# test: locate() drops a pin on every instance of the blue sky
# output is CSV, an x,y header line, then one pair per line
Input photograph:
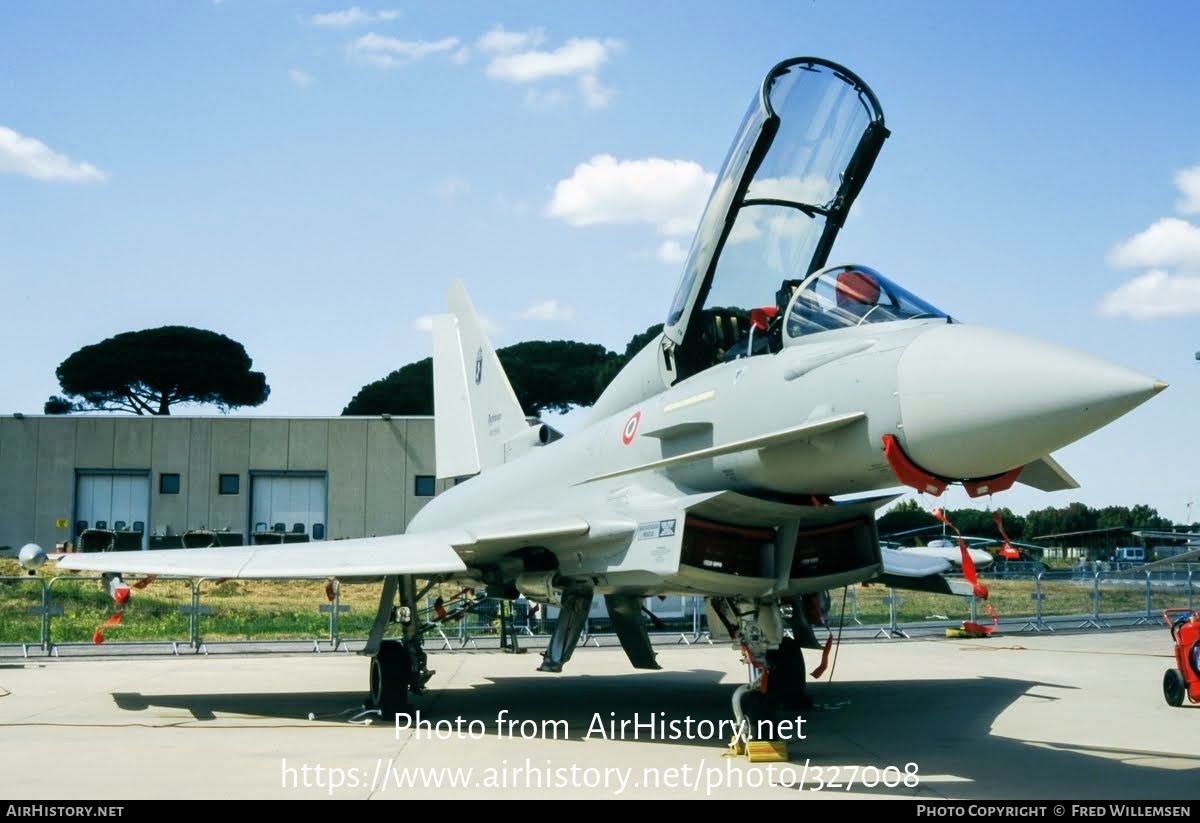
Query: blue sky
x,y
307,178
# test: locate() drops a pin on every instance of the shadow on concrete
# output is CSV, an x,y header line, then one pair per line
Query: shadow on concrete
x,y
941,726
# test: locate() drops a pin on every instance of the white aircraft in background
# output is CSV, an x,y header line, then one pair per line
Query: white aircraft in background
x,y
942,548
975,548
949,550
741,455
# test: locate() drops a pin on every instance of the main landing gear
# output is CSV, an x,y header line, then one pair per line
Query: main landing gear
x,y
398,667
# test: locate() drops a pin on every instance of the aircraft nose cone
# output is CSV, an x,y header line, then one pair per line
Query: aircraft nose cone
x,y
976,402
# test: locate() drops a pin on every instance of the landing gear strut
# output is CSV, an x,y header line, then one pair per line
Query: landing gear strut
x,y
786,677
398,667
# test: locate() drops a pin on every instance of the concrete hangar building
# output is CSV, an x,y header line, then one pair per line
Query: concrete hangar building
x,y
143,482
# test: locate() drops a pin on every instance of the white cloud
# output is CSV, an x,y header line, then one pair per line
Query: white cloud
x,y
353,16
595,96
1170,248
1169,242
501,41
669,194
1188,182
1154,294
461,56
576,56
33,158
300,77
671,251
548,310
389,52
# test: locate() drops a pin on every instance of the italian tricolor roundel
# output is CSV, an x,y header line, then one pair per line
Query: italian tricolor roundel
x,y
631,428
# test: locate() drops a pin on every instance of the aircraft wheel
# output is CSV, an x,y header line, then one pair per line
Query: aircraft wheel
x,y
755,708
390,670
786,681
1174,687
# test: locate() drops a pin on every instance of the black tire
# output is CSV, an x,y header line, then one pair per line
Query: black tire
x,y
786,679
390,676
755,709
1174,688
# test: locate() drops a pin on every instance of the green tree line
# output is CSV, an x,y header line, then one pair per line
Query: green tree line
x,y
553,375
1075,519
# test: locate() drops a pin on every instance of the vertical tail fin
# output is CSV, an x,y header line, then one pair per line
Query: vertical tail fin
x,y
474,407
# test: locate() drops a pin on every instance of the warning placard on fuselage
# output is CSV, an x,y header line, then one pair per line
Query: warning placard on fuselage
x,y
654,529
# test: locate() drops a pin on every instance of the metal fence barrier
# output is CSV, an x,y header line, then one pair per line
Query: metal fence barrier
x,y
61,614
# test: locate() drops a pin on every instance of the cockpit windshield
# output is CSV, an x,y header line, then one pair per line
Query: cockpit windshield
x,y
795,167
845,296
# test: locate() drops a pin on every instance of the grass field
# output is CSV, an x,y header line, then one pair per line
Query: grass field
x,y
292,610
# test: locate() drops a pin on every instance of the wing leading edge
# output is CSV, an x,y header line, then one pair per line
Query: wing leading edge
x,y
361,557
413,553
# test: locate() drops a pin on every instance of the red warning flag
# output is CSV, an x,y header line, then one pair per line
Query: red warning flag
x,y
820,670
978,628
1000,525
971,577
118,589
1006,551
968,565
98,635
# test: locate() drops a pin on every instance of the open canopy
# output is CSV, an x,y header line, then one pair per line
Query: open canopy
x,y
803,152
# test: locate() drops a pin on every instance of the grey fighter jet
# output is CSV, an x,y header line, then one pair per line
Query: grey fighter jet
x,y
740,456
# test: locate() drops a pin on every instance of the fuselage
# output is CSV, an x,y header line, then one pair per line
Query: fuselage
x,y
927,382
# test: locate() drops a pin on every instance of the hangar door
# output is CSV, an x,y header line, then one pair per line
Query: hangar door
x,y
288,504
120,502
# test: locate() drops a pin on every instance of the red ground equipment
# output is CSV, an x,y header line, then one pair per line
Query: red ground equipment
x,y
1184,679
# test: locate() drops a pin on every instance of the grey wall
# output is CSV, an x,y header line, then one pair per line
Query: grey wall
x,y
347,479
18,481
55,471
170,454
229,454
370,463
